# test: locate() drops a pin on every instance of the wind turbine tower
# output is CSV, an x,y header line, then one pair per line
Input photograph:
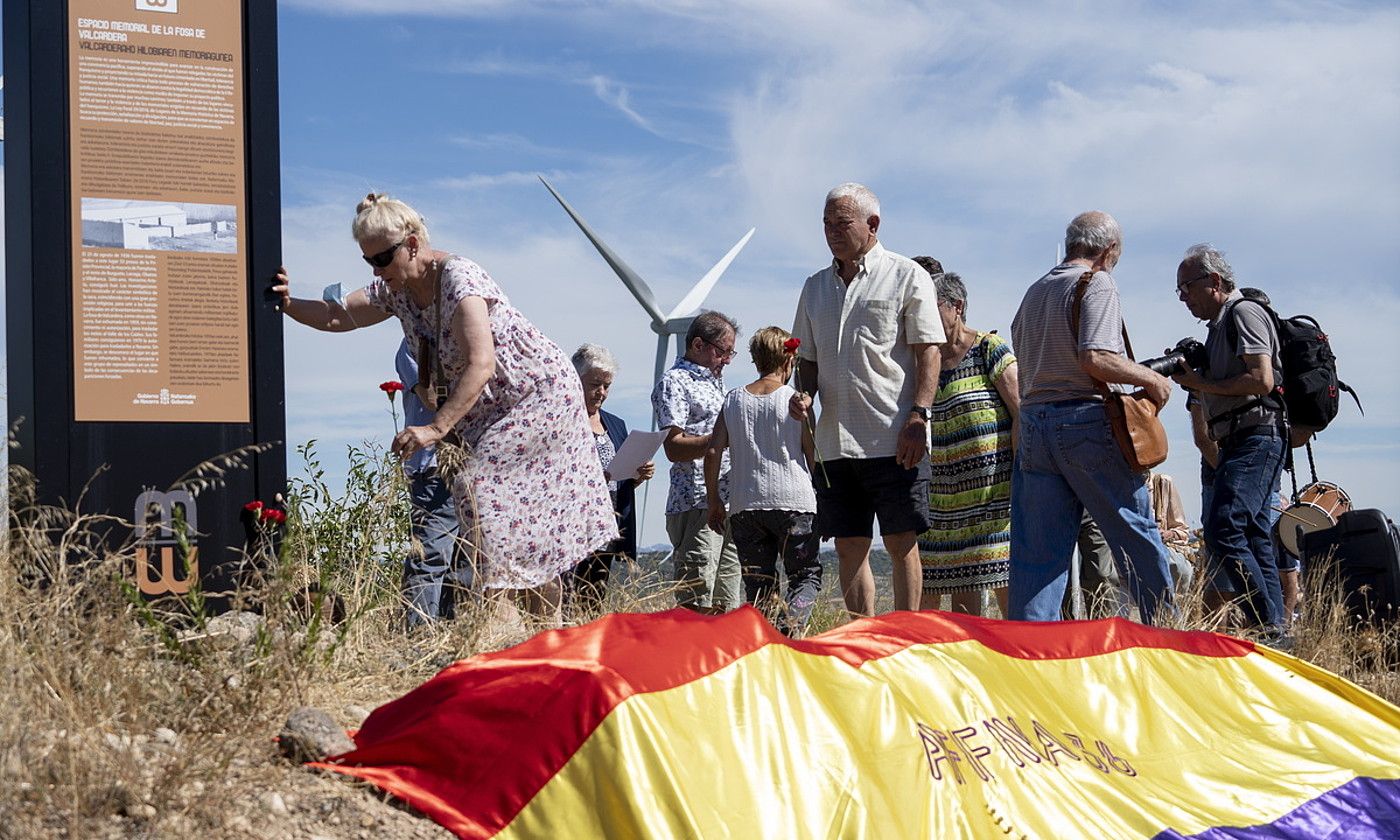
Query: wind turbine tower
x,y
665,325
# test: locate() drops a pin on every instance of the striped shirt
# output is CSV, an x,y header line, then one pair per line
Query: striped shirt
x,y
1047,352
860,336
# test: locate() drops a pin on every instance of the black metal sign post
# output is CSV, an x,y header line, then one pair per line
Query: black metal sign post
x,y
142,220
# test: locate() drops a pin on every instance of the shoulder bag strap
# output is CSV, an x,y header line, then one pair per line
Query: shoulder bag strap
x,y
1079,291
440,382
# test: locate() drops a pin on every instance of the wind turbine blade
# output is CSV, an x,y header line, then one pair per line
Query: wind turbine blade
x,y
640,290
696,295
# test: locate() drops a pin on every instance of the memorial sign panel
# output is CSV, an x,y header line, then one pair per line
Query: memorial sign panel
x,y
157,171
142,224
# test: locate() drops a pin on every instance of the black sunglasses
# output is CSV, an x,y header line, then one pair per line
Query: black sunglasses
x,y
1182,287
383,258
723,354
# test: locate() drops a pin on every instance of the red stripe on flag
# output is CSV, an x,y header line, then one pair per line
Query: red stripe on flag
x,y
474,744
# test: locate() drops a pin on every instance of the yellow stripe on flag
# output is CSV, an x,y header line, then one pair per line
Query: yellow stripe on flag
x,y
957,740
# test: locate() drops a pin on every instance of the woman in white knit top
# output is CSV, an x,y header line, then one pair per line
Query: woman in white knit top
x,y
771,500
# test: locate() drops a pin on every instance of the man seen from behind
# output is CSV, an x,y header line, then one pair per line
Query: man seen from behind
x,y
1067,460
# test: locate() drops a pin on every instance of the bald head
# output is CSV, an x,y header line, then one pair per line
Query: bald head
x,y
1091,234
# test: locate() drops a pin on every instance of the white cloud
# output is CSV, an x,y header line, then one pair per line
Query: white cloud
x,y
490,181
614,94
497,64
1268,130
510,143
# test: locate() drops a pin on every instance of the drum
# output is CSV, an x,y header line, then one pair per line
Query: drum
x,y
1318,507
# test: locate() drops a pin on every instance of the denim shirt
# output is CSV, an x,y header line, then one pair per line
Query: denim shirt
x,y
414,412
690,398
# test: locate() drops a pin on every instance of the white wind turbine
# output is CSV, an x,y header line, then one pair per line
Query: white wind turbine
x,y
677,321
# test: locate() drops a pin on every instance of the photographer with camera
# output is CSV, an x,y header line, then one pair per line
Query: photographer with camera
x,y
1234,375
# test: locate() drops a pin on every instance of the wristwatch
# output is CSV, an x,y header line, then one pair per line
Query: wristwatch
x,y
923,411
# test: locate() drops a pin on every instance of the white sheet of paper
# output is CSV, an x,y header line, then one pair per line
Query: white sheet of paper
x,y
637,449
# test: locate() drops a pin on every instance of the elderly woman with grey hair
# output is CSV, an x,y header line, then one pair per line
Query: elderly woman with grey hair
x,y
531,498
596,370
967,548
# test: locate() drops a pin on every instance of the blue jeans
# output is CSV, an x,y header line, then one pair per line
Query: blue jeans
x,y
1066,463
1238,524
1286,562
425,573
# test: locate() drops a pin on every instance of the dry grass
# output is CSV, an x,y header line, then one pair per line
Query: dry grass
x,y
124,718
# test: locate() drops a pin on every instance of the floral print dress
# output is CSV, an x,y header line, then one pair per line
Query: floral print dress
x,y
531,498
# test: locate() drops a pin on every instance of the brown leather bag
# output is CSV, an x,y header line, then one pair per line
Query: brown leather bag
x,y
1133,416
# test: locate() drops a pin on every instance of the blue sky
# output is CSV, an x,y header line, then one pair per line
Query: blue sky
x,y
1268,129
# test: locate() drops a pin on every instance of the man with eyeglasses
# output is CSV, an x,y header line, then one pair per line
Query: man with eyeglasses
x,y
1238,407
870,332
1067,461
687,401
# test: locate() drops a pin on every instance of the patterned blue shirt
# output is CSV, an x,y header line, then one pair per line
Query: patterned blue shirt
x,y
690,398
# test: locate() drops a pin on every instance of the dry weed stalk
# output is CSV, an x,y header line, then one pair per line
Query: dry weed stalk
x,y
124,717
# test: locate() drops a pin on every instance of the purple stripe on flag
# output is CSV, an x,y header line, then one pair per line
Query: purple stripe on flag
x,y
1361,809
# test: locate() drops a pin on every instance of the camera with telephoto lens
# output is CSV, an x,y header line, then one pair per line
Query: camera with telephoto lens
x,y
1187,354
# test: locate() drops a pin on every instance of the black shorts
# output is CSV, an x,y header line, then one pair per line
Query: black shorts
x,y
864,489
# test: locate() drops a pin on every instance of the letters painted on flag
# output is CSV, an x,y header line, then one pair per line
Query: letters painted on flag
x,y
907,725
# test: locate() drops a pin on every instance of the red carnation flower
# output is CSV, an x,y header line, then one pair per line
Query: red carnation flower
x,y
273,515
791,345
391,388
255,505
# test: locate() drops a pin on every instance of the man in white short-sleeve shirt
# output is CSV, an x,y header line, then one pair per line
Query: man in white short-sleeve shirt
x,y
1067,460
870,333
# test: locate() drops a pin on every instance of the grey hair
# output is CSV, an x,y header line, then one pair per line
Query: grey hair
x,y
951,289
1090,234
594,357
1212,260
860,194
710,326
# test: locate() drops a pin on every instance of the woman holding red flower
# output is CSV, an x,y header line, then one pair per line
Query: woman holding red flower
x,y
771,501
531,496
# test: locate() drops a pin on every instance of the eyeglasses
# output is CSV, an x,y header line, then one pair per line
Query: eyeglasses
x,y
723,353
1182,287
383,258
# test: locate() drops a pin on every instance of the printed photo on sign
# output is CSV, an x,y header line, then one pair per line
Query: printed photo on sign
x,y
159,226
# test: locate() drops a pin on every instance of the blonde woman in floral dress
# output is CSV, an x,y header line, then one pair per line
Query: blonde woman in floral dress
x,y
531,497
967,548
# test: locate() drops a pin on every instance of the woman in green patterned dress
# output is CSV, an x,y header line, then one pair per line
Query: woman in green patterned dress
x,y
967,548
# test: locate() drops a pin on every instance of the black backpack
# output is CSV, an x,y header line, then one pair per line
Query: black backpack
x,y
1310,391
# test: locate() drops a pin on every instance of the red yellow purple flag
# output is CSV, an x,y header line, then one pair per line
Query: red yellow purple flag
x,y
908,725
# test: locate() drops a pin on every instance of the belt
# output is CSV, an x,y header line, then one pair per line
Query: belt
x,y
1069,403
1238,436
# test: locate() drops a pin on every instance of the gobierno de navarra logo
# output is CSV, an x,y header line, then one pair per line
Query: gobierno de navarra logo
x,y
163,397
